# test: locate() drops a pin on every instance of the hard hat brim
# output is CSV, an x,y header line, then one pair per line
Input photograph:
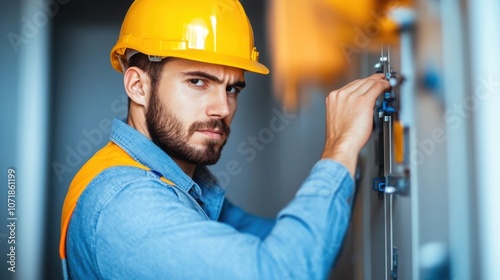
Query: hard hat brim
x,y
196,55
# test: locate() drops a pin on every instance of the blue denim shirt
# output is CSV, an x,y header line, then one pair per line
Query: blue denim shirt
x,y
128,224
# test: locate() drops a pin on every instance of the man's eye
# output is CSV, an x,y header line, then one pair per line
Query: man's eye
x,y
233,90
197,82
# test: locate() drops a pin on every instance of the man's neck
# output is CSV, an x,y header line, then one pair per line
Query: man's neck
x,y
188,168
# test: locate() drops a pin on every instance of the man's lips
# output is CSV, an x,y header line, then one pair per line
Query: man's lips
x,y
212,133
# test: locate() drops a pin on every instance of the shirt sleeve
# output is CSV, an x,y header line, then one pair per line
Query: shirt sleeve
x,y
145,232
244,221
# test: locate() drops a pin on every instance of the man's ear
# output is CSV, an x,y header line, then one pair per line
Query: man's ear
x,y
137,85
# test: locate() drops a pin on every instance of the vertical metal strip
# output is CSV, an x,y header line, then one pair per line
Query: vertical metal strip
x,y
385,236
391,238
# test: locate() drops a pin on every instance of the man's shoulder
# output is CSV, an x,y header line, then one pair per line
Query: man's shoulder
x,y
122,180
116,195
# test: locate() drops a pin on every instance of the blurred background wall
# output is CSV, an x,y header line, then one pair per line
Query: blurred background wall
x,y
59,95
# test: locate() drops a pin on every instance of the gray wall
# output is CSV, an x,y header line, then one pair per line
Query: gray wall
x,y
9,15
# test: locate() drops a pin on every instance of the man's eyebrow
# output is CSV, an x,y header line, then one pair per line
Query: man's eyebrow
x,y
239,84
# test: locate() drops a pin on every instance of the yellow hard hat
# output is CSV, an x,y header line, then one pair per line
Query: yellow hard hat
x,y
211,31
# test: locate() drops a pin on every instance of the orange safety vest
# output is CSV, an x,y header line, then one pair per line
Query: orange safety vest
x,y
109,156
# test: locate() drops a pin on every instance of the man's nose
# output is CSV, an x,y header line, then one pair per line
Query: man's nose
x,y
218,105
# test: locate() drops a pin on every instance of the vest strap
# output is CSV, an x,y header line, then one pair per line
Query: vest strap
x,y
109,156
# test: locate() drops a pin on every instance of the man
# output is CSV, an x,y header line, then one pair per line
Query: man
x,y
145,206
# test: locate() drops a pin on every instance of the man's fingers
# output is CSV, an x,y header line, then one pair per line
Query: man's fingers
x,y
360,87
376,88
350,88
377,76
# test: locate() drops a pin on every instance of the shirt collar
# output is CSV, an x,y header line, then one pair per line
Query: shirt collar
x,y
143,150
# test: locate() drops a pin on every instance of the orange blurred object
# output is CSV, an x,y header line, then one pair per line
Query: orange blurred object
x,y
313,40
399,147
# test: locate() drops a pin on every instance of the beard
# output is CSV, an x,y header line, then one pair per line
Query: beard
x,y
166,131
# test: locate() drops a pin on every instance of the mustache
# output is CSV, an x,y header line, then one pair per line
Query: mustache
x,y
212,124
